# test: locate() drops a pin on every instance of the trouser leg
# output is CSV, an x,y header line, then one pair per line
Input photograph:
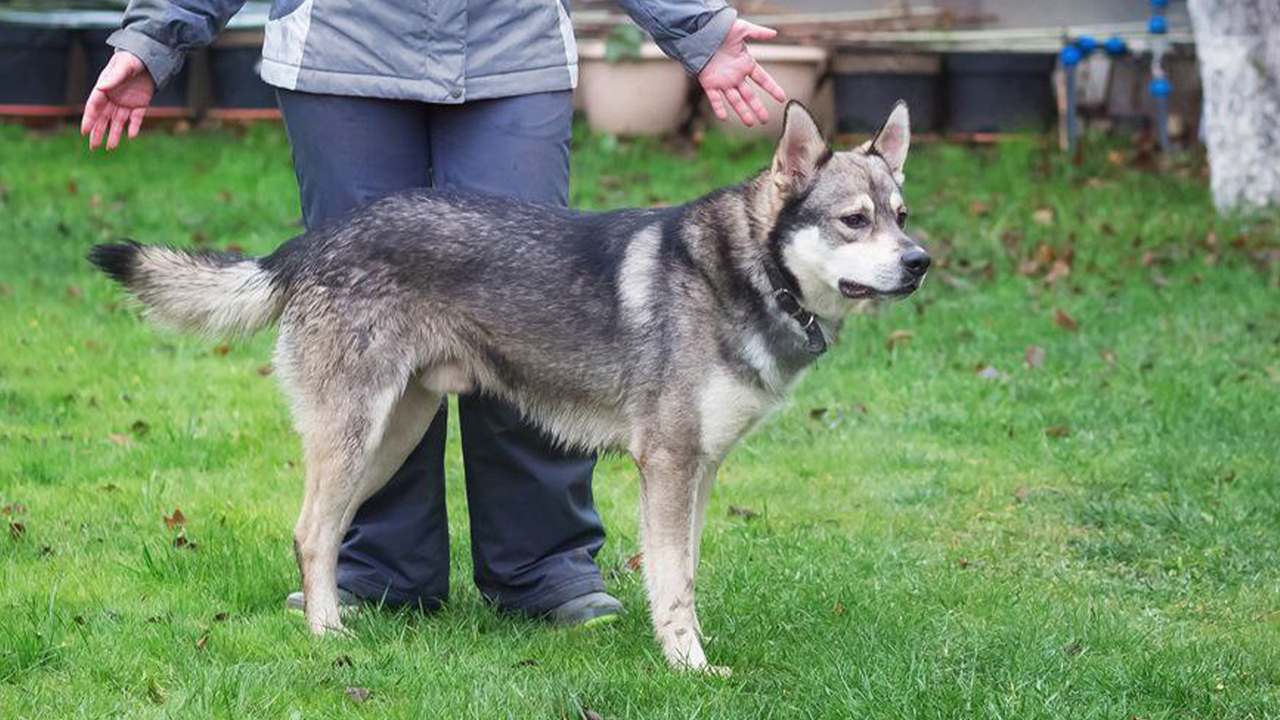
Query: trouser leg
x,y
348,151
534,529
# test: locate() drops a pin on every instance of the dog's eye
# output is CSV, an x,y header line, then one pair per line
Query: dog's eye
x,y
902,218
857,221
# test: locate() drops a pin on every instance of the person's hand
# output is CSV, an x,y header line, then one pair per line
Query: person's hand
x,y
119,99
724,78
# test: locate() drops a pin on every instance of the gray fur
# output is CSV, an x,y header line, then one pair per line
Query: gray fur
x,y
653,332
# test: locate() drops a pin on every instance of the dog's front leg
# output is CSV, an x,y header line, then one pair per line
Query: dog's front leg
x,y
668,505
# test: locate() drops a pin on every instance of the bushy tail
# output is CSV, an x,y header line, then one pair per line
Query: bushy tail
x,y
211,293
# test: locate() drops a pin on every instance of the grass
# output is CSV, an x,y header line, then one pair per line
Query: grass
x,y
941,528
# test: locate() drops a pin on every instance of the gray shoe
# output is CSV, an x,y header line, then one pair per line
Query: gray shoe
x,y
595,608
347,602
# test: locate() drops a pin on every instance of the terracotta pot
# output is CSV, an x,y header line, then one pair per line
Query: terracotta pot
x,y
645,96
798,69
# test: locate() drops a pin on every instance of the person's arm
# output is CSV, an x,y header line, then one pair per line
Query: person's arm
x,y
150,48
709,40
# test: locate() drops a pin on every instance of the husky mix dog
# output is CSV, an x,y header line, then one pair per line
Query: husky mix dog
x,y
666,333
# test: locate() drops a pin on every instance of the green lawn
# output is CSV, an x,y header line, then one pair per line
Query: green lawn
x,y
944,526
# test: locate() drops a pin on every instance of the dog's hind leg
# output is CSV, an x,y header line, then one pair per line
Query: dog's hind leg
x,y
706,480
352,449
668,504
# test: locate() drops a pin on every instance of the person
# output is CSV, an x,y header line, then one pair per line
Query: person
x,y
386,95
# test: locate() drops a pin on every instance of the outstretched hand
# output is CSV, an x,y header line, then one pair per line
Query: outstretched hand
x,y
118,100
724,78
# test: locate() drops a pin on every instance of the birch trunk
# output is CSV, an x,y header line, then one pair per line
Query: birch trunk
x,y
1238,46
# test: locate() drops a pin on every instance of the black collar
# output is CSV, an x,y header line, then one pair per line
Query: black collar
x,y
815,342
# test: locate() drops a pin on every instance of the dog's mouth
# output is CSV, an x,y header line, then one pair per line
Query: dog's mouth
x,y
856,291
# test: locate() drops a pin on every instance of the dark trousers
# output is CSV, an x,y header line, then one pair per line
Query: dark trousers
x,y
534,529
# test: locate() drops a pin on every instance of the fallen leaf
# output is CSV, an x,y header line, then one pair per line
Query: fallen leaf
x,y
14,509
182,542
235,249
1058,431
17,530
72,187
964,564
1022,493
176,520
1108,357
896,338
1116,158
265,370
74,292
221,349
1043,216
121,440
1034,356
202,643
742,512
358,695
1065,321
977,208
635,562
1057,271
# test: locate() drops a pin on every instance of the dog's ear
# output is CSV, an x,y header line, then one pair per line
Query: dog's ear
x,y
801,150
892,140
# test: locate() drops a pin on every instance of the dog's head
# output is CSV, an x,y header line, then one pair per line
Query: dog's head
x,y
841,219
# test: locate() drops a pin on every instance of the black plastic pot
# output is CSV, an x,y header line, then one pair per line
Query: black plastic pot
x,y
34,67
235,79
98,53
999,91
863,99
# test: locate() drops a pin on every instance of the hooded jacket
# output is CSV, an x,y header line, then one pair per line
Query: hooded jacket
x,y
438,51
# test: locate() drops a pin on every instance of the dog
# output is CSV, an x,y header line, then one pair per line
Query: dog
x,y
666,333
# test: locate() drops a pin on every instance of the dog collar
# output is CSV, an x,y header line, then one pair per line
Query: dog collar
x,y
815,342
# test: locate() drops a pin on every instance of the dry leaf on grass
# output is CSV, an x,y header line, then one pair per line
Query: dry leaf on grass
x,y
1065,321
896,338
357,694
743,512
635,562
176,520
1058,431
1034,356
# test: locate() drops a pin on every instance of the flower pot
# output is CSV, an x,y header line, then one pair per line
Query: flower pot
x,y
237,89
170,101
33,75
867,85
999,91
642,96
798,69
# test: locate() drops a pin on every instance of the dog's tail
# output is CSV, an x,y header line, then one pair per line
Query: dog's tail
x,y
215,294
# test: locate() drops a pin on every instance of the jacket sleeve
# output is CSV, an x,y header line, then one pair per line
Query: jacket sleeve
x,y
160,32
689,31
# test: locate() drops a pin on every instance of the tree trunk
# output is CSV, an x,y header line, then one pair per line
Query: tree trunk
x,y
1238,45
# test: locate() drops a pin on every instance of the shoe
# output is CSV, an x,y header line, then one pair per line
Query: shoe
x,y
597,608
347,602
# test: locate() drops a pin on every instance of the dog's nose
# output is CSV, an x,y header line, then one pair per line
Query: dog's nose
x,y
916,261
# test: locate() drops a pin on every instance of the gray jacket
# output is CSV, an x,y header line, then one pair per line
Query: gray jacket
x,y
441,51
